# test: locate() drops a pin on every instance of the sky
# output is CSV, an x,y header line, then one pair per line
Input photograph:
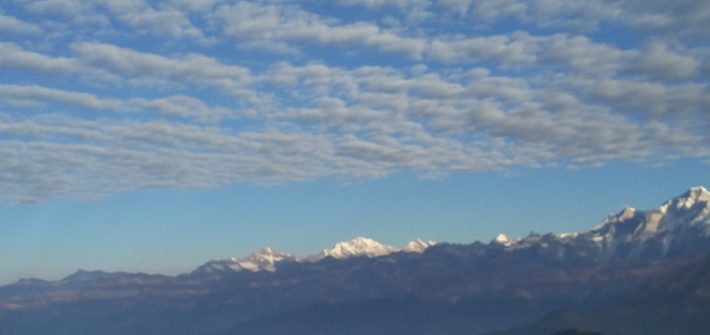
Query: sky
x,y
156,135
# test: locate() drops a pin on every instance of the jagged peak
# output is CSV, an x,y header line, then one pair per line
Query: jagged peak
x,y
697,193
612,219
263,253
359,246
360,240
268,251
502,238
82,274
264,259
265,250
692,208
418,245
627,212
699,190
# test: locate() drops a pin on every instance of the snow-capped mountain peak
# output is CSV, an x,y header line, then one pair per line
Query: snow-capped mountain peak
x,y
622,223
688,209
634,232
694,196
679,219
627,213
503,239
418,246
265,259
700,191
359,246
630,232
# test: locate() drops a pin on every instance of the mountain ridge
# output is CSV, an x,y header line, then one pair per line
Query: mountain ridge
x,y
696,199
268,259
534,275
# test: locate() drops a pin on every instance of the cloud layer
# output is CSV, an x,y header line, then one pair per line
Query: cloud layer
x,y
99,97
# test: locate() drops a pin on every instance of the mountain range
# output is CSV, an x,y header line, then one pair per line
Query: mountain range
x,y
634,266
267,259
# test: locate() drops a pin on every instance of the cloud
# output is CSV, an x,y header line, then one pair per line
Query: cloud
x,y
12,25
58,7
501,48
112,96
124,156
165,21
658,61
683,17
182,106
381,3
175,105
150,68
170,18
35,93
13,56
651,100
252,21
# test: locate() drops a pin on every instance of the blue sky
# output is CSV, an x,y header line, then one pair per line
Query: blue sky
x,y
155,135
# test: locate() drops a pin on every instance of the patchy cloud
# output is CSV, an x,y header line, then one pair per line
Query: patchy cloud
x,y
12,25
254,21
99,96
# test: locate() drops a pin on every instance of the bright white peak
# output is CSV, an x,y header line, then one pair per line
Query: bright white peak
x,y
502,239
700,191
567,235
689,209
268,257
695,195
359,246
627,213
262,260
418,246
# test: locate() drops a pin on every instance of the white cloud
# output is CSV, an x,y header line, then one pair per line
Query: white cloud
x,y
659,62
251,21
58,7
125,156
151,68
145,19
502,48
39,93
12,56
381,3
12,25
176,105
114,96
182,106
170,18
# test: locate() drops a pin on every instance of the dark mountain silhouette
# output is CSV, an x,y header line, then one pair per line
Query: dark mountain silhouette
x,y
676,303
574,332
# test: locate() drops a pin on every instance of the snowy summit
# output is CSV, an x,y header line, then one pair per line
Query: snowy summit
x,y
418,246
503,239
262,260
267,259
359,246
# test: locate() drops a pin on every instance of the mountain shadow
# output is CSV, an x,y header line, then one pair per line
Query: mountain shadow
x,y
676,303
394,316
575,332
